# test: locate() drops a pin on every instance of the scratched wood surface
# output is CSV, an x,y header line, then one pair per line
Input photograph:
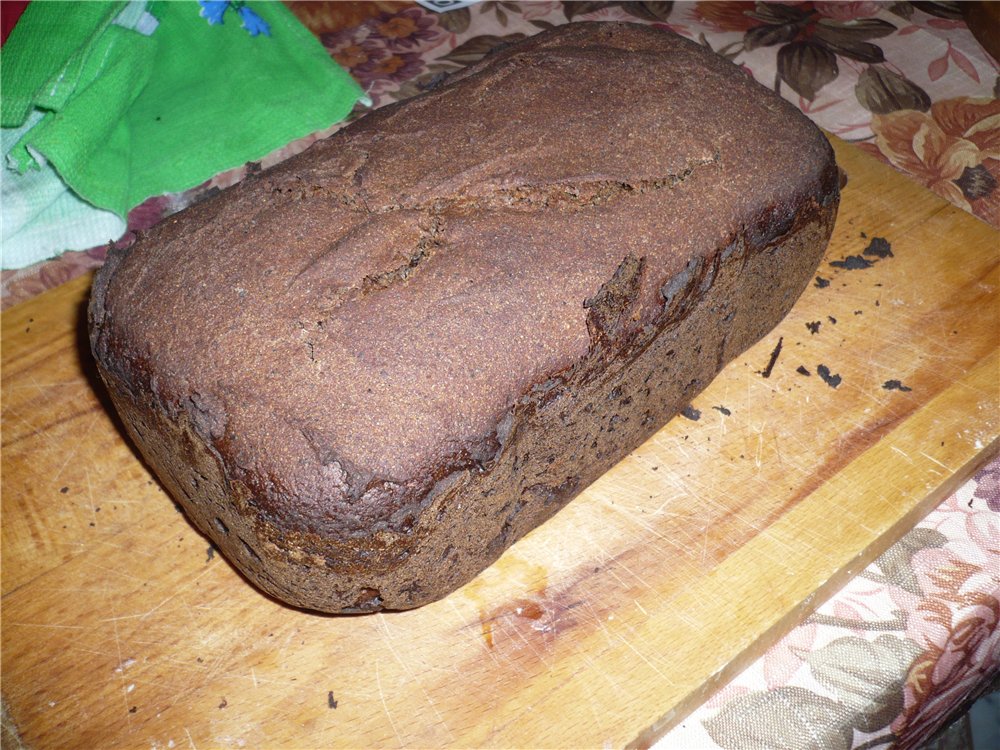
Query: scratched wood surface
x,y
602,628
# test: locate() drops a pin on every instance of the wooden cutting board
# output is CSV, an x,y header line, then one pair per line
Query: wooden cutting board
x,y
121,628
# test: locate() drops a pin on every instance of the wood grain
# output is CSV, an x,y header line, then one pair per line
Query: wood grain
x,y
604,627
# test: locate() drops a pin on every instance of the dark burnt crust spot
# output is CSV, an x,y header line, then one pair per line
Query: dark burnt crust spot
x,y
775,353
852,263
895,385
831,379
689,412
879,247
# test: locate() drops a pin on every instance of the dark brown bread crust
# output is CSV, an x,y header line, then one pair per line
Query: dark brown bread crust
x,y
367,372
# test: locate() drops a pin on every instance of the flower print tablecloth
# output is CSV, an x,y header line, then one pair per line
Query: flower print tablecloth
x,y
913,637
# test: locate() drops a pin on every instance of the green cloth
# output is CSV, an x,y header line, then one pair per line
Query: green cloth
x,y
43,58
41,216
137,113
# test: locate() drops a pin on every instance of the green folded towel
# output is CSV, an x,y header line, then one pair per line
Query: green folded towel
x,y
146,98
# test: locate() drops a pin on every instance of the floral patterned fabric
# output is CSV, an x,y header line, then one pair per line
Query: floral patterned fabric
x,y
908,641
886,661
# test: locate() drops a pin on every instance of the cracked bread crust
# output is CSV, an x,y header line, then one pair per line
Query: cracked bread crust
x,y
367,372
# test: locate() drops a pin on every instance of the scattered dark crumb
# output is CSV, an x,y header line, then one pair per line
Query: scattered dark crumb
x,y
831,380
97,509
864,236
330,700
859,312
813,327
879,247
210,552
722,410
64,490
92,524
656,468
133,709
878,304
200,660
852,263
766,372
895,385
831,319
877,285
691,413
28,329
822,283
801,370
224,703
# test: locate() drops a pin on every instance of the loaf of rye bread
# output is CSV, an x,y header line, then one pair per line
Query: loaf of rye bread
x,y
368,371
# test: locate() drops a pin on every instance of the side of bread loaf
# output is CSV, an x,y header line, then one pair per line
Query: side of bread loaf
x,y
367,372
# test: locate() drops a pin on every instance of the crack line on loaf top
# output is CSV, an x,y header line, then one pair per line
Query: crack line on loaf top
x,y
428,243
572,196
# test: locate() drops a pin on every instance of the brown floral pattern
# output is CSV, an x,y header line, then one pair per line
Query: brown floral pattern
x,y
957,624
953,149
810,37
889,659
385,50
